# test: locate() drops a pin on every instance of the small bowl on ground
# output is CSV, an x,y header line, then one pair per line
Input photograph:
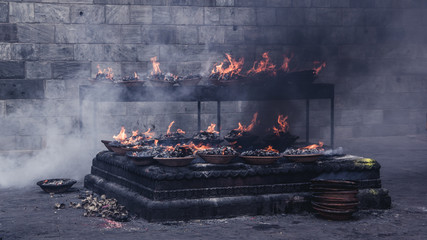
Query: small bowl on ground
x,y
175,162
217,159
260,160
56,185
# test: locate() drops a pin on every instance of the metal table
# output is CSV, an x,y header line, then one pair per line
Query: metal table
x,y
127,93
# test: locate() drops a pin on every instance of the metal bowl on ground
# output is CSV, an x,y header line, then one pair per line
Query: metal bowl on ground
x,y
140,160
260,160
305,158
56,185
217,159
342,199
336,206
106,142
175,161
334,214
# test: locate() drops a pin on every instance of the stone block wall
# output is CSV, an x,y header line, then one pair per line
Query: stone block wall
x,y
374,49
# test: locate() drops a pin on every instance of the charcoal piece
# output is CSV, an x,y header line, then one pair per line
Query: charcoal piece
x,y
225,150
303,151
260,152
178,151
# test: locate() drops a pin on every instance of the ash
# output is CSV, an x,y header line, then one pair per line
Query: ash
x,y
292,151
260,152
178,151
219,151
147,151
206,136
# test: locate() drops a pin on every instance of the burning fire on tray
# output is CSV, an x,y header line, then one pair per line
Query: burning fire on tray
x,y
311,149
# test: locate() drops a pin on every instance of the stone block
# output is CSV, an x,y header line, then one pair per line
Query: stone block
x,y
187,35
37,70
328,16
224,3
279,3
211,34
187,68
211,16
145,52
118,53
180,53
70,70
55,89
190,3
159,34
237,16
291,16
4,12
353,17
321,3
8,33
348,117
88,14
79,33
373,117
234,35
21,12
51,13
5,51
342,133
29,142
248,3
36,33
89,52
78,1
55,52
266,16
143,14
9,143
378,130
162,15
266,35
187,15
21,89
12,70
362,4
340,3
118,14
131,34
115,66
301,3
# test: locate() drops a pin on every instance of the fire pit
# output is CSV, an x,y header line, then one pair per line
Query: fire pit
x,y
57,185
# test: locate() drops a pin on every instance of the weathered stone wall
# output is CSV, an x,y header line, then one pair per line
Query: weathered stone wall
x,y
375,51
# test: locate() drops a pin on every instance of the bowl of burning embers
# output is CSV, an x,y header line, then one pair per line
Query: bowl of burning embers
x,y
218,155
261,156
307,154
177,156
56,185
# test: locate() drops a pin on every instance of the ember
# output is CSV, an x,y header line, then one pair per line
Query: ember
x,y
228,70
210,135
225,150
241,135
311,149
177,151
269,151
263,66
104,75
281,137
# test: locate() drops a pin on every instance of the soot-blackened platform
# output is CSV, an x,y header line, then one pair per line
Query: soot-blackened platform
x,y
202,190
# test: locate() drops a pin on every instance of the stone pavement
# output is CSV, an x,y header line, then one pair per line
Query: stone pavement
x,y
29,213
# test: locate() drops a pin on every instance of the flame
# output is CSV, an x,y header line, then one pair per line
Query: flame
x,y
314,146
271,149
135,75
168,132
108,72
249,128
211,128
148,134
156,66
319,68
234,66
121,136
198,147
156,142
283,125
180,131
286,60
263,66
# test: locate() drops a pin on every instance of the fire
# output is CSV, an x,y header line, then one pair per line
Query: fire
x,y
319,68
135,75
283,125
249,128
107,72
263,66
285,65
148,134
271,149
314,146
156,66
121,136
211,128
156,142
234,66
168,132
180,131
198,147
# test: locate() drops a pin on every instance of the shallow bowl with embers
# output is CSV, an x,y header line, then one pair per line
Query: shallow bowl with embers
x,y
56,185
304,158
217,159
260,160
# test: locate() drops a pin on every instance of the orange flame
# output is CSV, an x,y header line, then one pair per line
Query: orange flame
x,y
156,142
121,136
271,149
319,68
148,134
249,128
263,66
211,128
108,72
180,131
314,146
234,66
283,125
135,75
285,65
156,66
169,128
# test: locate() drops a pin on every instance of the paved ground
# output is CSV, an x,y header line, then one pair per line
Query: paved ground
x,y
29,213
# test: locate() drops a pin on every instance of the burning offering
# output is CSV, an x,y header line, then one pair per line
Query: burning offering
x,y
208,136
220,155
105,75
56,185
281,138
173,138
227,72
241,136
261,156
145,155
175,156
309,153
122,143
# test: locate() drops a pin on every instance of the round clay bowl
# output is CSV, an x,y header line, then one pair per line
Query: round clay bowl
x,y
217,159
106,142
260,160
140,161
175,162
335,199
49,187
306,158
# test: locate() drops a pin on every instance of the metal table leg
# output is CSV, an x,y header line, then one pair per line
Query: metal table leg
x,y
218,116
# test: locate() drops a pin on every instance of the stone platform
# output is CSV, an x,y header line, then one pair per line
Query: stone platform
x,y
202,190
